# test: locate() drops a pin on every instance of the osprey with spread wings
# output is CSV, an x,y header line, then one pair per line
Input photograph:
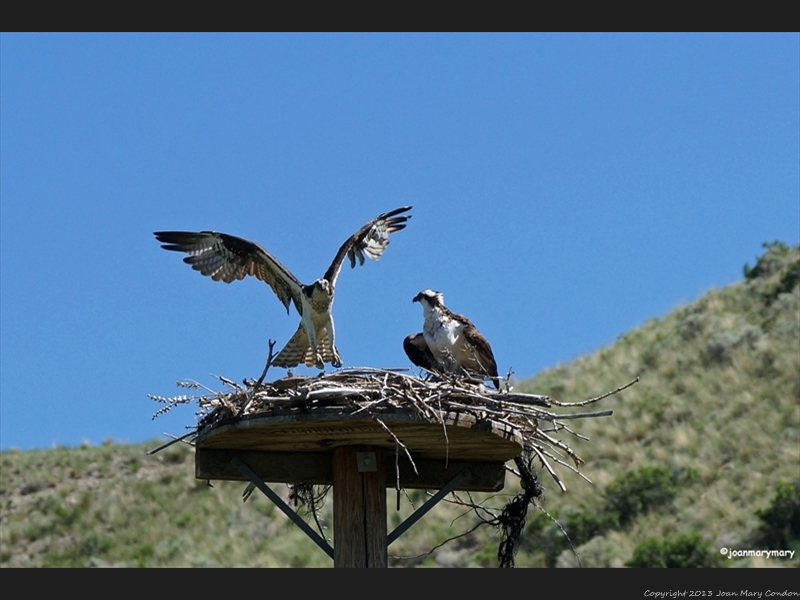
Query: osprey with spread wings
x,y
225,258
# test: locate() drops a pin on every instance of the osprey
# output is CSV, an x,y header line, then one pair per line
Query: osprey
x,y
449,342
224,257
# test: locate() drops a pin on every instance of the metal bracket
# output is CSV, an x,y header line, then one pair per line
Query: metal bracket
x,y
420,512
319,540
287,510
366,462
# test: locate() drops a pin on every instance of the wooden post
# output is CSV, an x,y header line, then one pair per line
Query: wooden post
x,y
359,507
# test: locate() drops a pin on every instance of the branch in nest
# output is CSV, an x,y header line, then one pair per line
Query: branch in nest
x,y
562,463
517,398
270,358
397,441
591,415
596,398
227,382
174,440
170,402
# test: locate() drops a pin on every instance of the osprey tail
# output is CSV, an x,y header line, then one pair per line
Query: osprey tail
x,y
298,350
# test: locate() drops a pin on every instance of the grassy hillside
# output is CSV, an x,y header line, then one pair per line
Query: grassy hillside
x,y
703,453
713,424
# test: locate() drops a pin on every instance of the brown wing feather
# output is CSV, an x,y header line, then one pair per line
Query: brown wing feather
x,y
483,354
225,258
418,352
371,240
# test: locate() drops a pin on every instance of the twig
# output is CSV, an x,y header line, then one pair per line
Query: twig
x,y
437,546
596,398
518,398
602,413
174,440
549,469
397,441
227,382
270,358
567,465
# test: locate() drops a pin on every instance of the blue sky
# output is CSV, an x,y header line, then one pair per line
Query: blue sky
x,y
566,187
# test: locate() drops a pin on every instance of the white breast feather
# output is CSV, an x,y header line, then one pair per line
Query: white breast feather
x,y
443,337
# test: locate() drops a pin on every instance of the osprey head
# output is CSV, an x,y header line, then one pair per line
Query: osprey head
x,y
319,287
429,298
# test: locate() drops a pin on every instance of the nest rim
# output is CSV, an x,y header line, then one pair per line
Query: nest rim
x,y
456,435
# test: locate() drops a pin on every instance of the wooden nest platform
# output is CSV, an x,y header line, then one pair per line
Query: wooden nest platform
x,y
342,429
287,430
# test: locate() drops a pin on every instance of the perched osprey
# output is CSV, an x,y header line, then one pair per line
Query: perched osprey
x,y
449,343
224,257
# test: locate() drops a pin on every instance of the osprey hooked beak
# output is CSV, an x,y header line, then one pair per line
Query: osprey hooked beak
x,y
433,298
324,285
320,286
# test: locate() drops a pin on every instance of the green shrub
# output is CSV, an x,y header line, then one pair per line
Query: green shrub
x,y
775,261
790,278
583,526
638,492
780,521
769,262
684,551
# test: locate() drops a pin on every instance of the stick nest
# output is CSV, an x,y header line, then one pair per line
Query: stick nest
x,y
371,390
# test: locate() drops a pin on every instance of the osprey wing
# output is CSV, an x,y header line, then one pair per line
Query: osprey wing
x,y
225,258
480,350
370,240
418,352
